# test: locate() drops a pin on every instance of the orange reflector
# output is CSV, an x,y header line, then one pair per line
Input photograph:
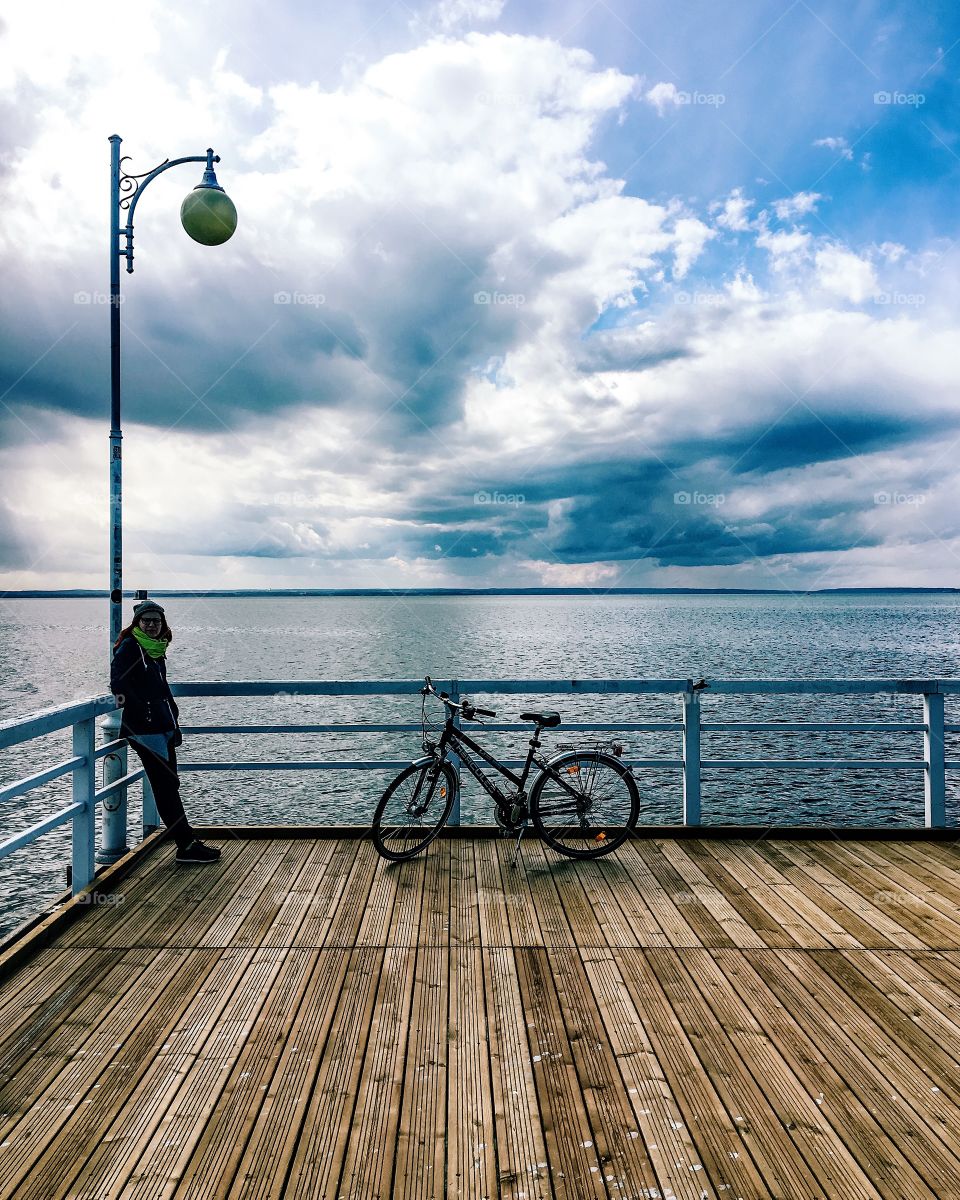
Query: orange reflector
x,y
574,770
601,837
443,793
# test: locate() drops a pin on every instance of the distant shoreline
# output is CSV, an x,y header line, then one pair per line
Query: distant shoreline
x,y
297,593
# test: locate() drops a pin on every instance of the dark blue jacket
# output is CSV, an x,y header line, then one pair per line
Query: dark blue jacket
x,y
140,684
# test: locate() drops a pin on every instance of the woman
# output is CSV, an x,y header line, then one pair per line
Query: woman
x,y
138,679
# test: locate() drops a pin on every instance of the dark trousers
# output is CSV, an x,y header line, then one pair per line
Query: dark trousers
x,y
165,782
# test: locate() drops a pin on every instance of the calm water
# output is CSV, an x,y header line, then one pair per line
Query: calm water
x,y
54,651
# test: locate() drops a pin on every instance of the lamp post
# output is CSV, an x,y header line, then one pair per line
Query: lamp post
x,y
208,215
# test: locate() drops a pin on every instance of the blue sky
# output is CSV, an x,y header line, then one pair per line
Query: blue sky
x,y
522,294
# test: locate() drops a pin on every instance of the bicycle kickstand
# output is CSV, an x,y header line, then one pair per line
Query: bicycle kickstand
x,y
516,849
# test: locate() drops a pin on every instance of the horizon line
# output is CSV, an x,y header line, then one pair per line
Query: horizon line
x,y
98,594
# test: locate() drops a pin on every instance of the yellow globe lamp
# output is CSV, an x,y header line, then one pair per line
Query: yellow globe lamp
x,y
208,214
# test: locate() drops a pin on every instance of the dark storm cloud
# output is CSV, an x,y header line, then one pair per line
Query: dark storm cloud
x,y
804,437
401,329
617,511
684,520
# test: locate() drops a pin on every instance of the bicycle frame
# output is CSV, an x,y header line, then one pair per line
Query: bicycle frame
x,y
465,747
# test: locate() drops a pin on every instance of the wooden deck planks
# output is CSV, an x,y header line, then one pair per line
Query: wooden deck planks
x,y
76,1125
698,1019
865,1084
471,1169
297,1144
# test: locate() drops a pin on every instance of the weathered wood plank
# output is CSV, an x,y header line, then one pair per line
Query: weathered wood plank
x,y
870,1086
368,1153
932,927
297,1145
715,900
85,1133
420,1152
657,1119
209,1169
621,1158
727,1146
641,925
188,1108
766,1114
302,905
464,894
471,1160
519,1132
753,901
666,912
799,1127
256,900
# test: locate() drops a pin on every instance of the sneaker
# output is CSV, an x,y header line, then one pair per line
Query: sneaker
x,y
197,852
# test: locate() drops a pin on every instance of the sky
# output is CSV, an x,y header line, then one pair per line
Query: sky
x,y
658,293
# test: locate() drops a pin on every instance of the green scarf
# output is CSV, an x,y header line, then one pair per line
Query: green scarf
x,y
155,647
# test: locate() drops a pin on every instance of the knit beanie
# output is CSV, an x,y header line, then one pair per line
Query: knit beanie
x,y
146,606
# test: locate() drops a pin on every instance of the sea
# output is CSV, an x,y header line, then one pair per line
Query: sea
x,y
55,650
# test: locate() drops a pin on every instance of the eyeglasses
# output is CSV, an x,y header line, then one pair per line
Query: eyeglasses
x,y
151,620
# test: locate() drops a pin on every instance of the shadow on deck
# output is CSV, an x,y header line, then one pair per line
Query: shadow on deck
x,y
686,1018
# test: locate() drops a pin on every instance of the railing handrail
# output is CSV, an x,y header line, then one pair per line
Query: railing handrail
x,y
632,686
15,730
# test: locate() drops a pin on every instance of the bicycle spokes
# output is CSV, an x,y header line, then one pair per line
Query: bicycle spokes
x,y
413,809
585,805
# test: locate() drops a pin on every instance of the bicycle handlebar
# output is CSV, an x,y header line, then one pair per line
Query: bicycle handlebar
x,y
464,706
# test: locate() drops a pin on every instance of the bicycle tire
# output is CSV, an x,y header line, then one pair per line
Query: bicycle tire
x,y
407,819
595,809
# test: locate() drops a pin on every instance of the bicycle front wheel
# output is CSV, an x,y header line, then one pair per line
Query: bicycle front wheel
x,y
585,804
414,809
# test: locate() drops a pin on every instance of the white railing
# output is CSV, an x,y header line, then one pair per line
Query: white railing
x,y
81,719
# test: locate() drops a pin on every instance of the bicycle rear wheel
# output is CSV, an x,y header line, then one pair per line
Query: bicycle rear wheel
x,y
414,809
585,804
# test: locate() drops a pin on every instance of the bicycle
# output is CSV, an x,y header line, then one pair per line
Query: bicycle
x,y
583,803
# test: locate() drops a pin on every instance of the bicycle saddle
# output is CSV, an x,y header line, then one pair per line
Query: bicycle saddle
x,y
548,720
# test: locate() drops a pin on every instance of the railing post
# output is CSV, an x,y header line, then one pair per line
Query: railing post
x,y
113,834
84,787
454,759
691,758
934,776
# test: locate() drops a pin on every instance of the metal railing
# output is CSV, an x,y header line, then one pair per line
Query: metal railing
x,y
81,719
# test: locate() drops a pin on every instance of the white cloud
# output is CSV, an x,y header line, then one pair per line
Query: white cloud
x,y
663,96
452,14
797,205
558,574
785,249
892,251
734,212
845,274
692,235
839,144
743,289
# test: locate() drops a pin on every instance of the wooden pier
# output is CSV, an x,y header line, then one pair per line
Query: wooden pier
x,y
732,1019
